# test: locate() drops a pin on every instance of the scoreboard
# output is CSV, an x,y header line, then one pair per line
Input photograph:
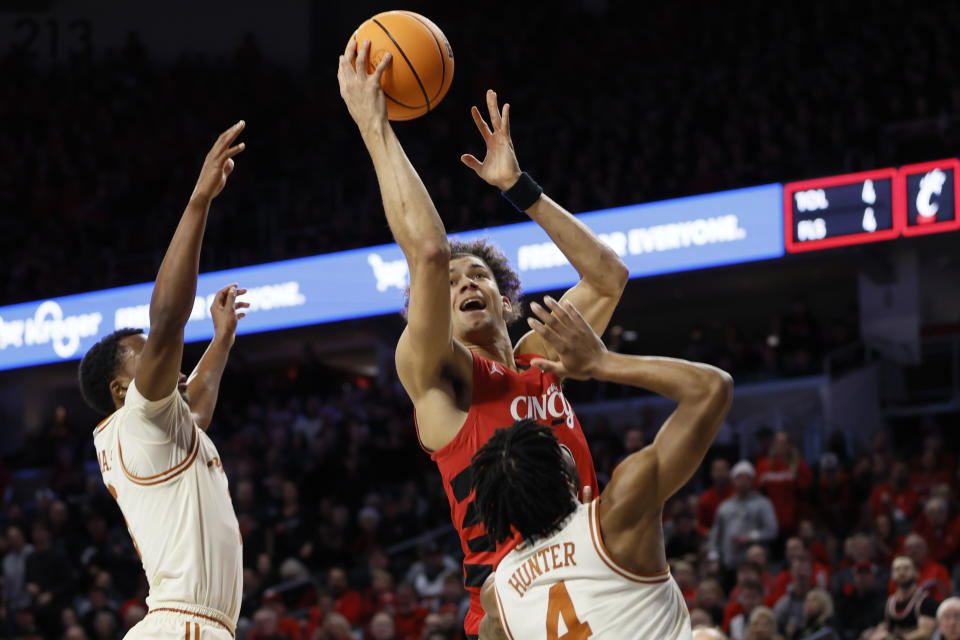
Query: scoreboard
x,y
842,210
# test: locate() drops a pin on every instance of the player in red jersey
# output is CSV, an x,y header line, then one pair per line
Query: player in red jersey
x,y
455,358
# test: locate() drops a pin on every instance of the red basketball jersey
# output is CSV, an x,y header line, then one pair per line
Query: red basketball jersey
x,y
501,397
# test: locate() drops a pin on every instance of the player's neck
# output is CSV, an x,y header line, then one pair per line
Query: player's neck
x,y
499,350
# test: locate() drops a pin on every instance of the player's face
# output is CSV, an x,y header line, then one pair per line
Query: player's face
x,y
477,306
131,348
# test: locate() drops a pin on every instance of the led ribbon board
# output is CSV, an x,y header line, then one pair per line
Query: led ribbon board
x,y
654,238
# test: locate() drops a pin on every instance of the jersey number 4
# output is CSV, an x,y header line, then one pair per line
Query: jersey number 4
x,y
559,606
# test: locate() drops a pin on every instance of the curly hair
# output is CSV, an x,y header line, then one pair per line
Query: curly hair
x,y
508,282
521,481
97,369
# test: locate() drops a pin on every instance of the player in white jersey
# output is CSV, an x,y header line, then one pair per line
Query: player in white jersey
x,y
594,570
155,456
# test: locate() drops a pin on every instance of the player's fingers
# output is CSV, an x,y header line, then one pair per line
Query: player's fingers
x,y
493,109
241,315
240,292
558,312
546,332
234,150
362,55
574,314
227,137
587,494
506,119
540,312
351,49
471,161
384,63
241,305
228,167
546,365
481,123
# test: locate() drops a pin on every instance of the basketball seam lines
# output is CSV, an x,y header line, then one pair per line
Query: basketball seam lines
x,y
416,76
443,62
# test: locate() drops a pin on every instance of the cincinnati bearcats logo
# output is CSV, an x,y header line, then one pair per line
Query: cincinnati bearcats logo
x,y
550,405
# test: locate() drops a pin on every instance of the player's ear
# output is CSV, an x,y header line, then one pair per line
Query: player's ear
x,y
508,309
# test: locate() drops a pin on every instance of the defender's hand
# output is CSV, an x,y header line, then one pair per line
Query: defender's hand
x,y
219,164
362,91
499,167
578,346
224,311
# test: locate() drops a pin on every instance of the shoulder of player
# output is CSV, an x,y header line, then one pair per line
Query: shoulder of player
x,y
420,372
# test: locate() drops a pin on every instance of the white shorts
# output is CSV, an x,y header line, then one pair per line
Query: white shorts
x,y
177,625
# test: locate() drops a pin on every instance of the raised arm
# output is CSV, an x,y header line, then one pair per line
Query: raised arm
x,y
602,274
203,385
703,395
427,344
176,285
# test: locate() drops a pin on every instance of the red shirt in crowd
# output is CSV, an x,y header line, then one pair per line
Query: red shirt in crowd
x,y
781,484
352,606
923,481
942,545
707,506
905,501
408,625
821,579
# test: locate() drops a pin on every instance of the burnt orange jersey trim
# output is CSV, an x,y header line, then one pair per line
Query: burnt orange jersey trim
x,y
645,578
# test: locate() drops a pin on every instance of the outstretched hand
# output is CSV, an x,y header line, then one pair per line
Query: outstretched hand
x,y
499,167
225,311
219,163
578,347
361,91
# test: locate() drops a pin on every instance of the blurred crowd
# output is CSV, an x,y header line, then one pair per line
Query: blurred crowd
x,y
674,104
346,528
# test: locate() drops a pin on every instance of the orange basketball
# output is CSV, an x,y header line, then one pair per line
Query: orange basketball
x,y
422,67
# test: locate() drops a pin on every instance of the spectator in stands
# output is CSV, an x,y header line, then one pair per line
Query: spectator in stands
x,y
454,599
941,534
858,553
817,618
834,495
885,539
795,549
700,618
929,474
862,605
711,498
743,519
784,477
686,578
265,626
15,594
895,498
708,633
789,607
98,608
751,597
910,611
681,535
427,574
930,574
104,626
762,625
49,579
348,603
757,554
747,572
808,535
948,620
710,598
409,615
381,627
335,627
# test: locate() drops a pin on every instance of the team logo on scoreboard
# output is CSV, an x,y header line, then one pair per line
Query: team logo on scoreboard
x,y
931,197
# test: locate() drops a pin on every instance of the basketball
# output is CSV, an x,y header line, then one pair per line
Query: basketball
x,y
422,68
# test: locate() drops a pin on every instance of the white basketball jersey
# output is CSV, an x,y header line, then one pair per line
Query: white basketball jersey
x,y
567,586
166,475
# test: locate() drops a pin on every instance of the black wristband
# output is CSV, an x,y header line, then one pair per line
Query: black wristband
x,y
524,194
